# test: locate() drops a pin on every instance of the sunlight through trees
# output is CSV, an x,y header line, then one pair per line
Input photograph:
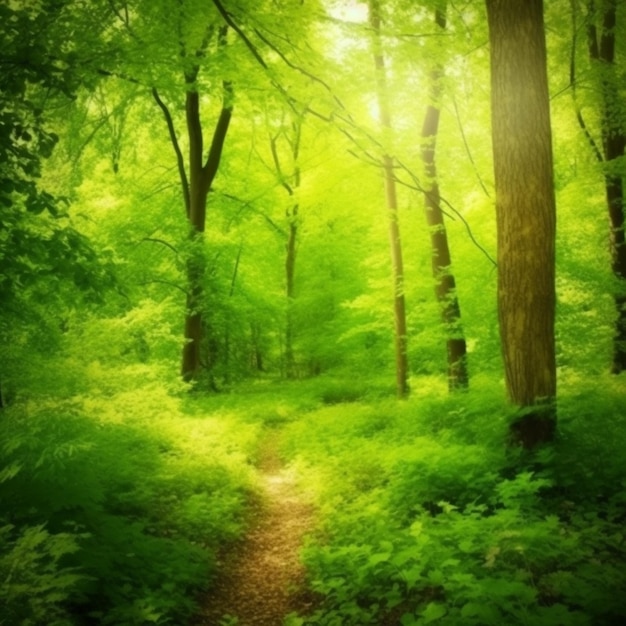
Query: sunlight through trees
x,y
223,220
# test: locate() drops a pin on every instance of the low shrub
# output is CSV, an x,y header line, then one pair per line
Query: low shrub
x,y
429,518
114,508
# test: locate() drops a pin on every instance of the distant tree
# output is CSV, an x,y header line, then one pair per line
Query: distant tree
x,y
445,284
526,213
387,164
602,26
288,173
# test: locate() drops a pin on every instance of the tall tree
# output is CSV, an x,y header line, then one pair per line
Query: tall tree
x,y
525,212
387,163
196,180
181,37
289,133
445,284
602,24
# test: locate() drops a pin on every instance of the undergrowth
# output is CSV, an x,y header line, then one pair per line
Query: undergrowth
x,y
117,501
427,517
115,505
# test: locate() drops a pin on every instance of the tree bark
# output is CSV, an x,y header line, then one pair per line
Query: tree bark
x,y
525,212
397,265
445,284
196,177
602,54
291,183
201,176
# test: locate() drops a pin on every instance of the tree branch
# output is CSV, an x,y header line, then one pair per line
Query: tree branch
x,y
572,82
179,155
467,148
219,135
281,177
163,242
302,70
417,185
211,165
228,19
249,204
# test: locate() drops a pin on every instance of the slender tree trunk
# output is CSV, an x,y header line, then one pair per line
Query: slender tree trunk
x,y
290,272
445,285
613,123
291,183
397,266
526,213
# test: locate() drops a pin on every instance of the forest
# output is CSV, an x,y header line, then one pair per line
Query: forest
x,y
312,312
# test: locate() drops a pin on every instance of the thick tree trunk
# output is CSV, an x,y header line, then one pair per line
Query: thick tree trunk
x,y
397,266
602,54
526,213
445,285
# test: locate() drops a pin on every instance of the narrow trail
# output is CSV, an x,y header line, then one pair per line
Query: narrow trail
x,y
261,580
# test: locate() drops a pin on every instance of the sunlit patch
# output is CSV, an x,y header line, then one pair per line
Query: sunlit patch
x,y
350,11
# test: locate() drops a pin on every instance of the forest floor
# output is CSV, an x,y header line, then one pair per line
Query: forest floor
x,y
261,580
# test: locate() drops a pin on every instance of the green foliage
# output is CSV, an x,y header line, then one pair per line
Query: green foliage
x,y
117,490
46,263
35,584
117,505
425,521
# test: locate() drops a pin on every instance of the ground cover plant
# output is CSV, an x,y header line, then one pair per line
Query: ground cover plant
x,y
427,516
118,505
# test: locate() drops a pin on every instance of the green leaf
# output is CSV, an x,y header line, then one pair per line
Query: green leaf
x,y
380,557
433,612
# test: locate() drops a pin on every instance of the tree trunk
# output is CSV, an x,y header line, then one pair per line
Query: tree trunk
x,y
445,285
602,54
291,183
290,270
201,176
399,307
526,213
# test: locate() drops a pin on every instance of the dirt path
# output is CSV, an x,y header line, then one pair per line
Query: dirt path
x,y
259,586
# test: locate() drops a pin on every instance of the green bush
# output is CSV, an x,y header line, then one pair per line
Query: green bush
x,y
35,583
427,517
116,506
